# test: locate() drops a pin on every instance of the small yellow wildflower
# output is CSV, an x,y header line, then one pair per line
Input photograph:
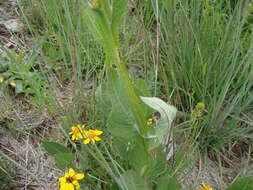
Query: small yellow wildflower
x,y
92,136
151,121
204,186
94,4
196,113
1,79
199,109
13,84
70,180
200,106
77,132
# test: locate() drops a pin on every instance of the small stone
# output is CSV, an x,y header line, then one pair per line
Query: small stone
x,y
14,25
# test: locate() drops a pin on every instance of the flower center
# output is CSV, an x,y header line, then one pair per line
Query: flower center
x,y
76,130
69,179
91,134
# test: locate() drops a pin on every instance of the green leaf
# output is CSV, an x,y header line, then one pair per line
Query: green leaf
x,y
120,121
142,88
159,165
241,184
121,124
54,148
121,147
168,112
119,7
117,92
63,160
167,183
163,127
139,158
133,181
103,100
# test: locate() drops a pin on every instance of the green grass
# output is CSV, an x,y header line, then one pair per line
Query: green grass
x,y
206,56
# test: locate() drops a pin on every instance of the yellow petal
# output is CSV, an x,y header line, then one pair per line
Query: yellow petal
x,y
79,176
66,175
12,84
71,172
97,139
68,186
86,141
77,186
97,132
62,180
62,187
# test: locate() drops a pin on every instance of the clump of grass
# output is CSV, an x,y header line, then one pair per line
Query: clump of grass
x,y
204,58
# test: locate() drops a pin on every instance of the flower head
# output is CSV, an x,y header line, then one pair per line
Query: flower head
x,y
77,132
1,79
94,4
70,180
151,121
91,136
204,186
199,109
200,106
13,84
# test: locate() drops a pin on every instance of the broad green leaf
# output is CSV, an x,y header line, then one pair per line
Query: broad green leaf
x,y
168,112
159,165
139,158
121,121
119,7
121,124
63,160
133,181
54,148
115,106
116,89
242,184
134,100
142,89
167,183
121,147
103,100
163,127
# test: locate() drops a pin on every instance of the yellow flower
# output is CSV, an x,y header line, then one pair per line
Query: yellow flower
x,y
13,84
196,113
92,135
199,109
94,4
151,121
200,106
77,132
204,186
70,180
1,79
